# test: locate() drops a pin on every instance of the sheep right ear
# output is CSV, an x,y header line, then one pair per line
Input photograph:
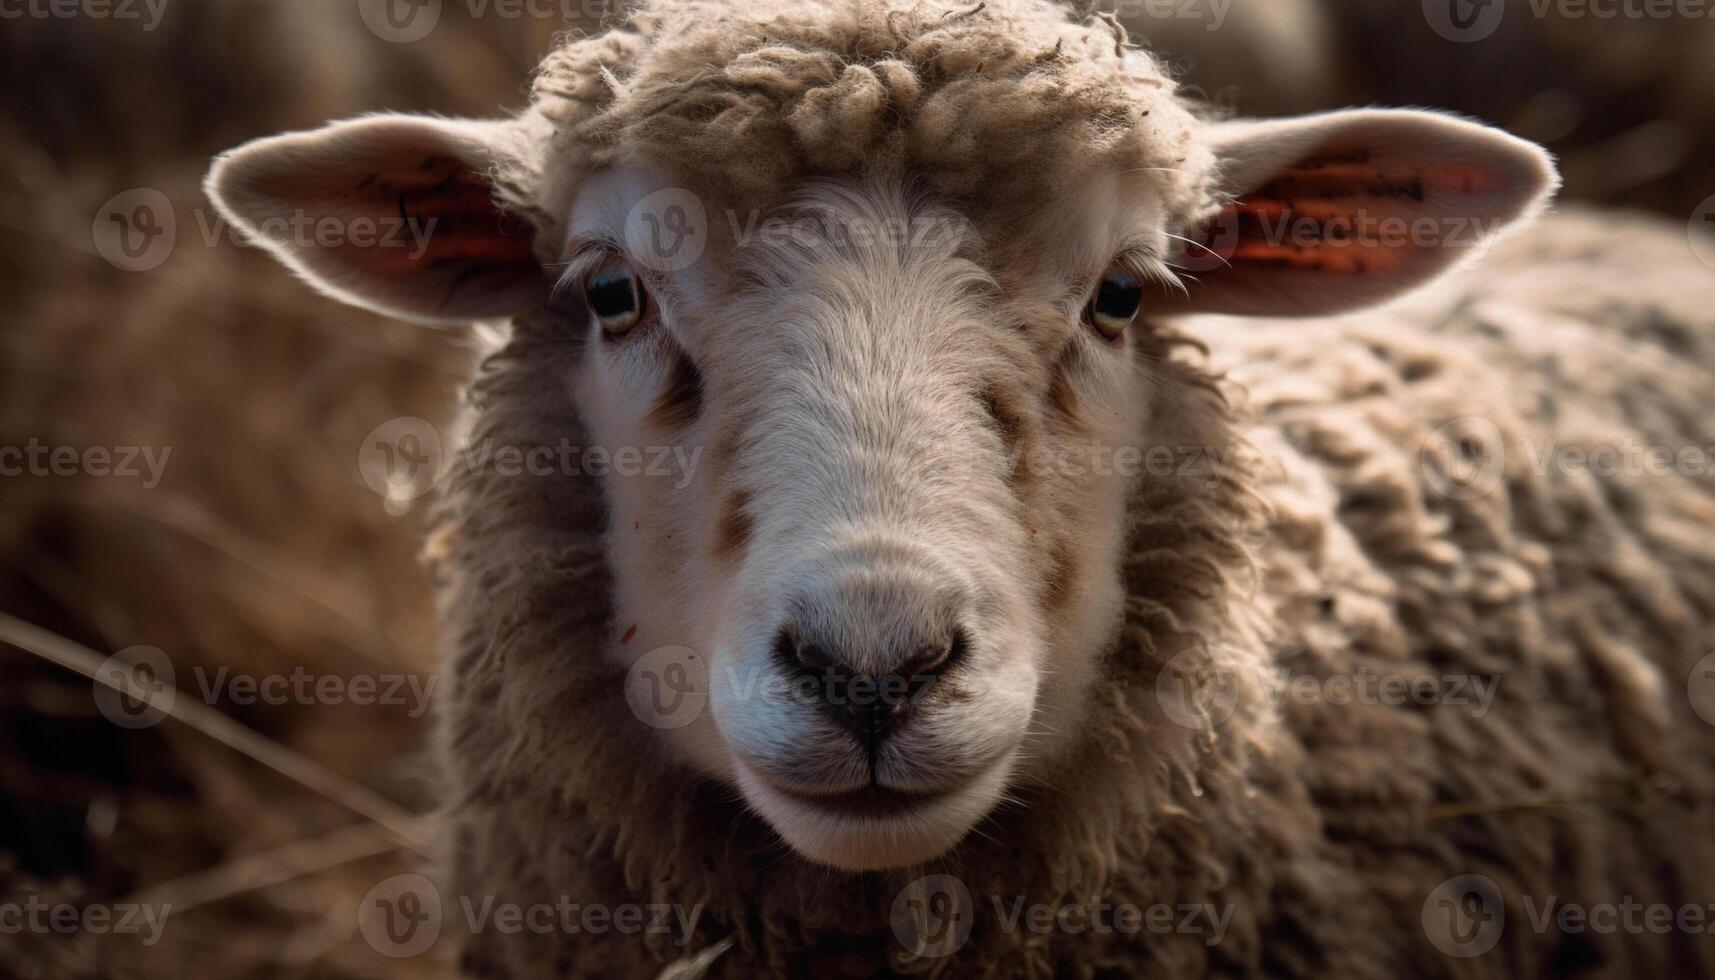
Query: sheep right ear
x,y
394,213
1341,210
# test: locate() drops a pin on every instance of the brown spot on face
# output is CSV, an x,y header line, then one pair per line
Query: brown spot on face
x,y
1057,581
1063,400
732,531
681,399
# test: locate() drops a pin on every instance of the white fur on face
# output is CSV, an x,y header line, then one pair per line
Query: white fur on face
x,y
856,484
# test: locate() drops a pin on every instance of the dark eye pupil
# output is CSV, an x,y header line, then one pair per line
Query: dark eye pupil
x,y
1119,297
612,295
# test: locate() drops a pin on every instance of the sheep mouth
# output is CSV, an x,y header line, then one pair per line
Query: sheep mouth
x,y
874,827
873,802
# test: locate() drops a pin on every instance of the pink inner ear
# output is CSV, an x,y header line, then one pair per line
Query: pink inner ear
x,y
1343,213
454,208
434,244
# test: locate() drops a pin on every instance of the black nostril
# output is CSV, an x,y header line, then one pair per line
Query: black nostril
x,y
868,705
932,661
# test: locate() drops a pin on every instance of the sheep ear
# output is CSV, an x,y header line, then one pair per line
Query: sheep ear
x,y
1346,209
395,213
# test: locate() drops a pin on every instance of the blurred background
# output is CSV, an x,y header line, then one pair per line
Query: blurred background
x,y
242,540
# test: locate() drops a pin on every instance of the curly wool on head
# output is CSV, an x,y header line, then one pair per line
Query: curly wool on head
x,y
996,101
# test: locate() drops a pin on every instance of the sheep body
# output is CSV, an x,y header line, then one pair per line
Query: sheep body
x,y
1328,544
1324,827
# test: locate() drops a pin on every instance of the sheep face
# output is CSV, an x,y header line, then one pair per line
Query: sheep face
x,y
895,559
910,400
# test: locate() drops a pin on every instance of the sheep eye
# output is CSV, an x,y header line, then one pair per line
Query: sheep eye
x,y
1116,303
615,296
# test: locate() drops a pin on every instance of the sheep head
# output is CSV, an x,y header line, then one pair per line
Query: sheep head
x,y
894,277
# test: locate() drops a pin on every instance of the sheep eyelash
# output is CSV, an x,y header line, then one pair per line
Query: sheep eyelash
x,y
581,258
1141,261
1135,258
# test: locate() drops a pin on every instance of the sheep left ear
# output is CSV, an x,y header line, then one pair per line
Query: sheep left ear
x,y
395,213
1346,209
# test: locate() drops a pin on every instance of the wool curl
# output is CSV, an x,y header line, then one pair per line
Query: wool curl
x,y
995,101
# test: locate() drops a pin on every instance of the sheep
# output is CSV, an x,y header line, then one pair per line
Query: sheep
x,y
1055,472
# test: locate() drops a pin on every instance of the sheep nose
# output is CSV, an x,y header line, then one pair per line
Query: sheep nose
x,y
868,704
